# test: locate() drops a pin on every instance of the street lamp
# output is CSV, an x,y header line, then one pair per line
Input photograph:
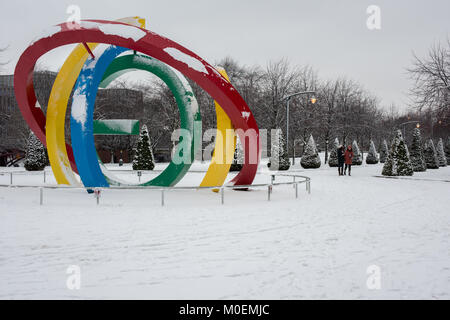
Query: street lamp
x,y
405,123
288,98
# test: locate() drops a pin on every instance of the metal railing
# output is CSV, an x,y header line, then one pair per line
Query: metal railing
x,y
296,180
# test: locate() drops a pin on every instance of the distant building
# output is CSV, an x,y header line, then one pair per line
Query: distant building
x,y
110,104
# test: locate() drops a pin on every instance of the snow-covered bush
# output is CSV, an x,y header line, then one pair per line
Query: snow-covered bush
x,y
143,155
416,154
310,158
441,154
36,155
333,159
372,156
384,151
447,149
430,155
357,155
398,162
238,158
279,159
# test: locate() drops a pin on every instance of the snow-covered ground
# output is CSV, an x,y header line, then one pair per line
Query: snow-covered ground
x,y
317,246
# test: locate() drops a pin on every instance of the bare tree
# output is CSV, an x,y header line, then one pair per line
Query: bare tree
x,y
431,77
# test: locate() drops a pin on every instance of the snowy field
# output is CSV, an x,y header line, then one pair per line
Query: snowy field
x,y
315,247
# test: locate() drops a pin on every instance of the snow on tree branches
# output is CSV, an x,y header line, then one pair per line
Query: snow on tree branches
x,y
441,154
36,155
310,158
416,154
278,156
398,162
333,160
372,156
143,155
384,151
430,155
357,158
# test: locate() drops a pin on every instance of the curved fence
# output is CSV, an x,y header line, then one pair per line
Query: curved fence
x,y
270,185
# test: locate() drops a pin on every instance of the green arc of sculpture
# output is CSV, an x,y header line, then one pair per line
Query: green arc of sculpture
x,y
188,109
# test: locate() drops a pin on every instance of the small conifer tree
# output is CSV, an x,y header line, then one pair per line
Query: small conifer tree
x,y
372,156
238,158
279,159
447,150
417,157
398,162
333,159
441,153
143,155
36,154
357,155
310,158
384,151
430,155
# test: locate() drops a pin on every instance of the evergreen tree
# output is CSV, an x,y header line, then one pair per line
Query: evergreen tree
x,y
333,159
447,149
143,155
372,156
357,155
238,159
310,158
279,159
384,151
430,155
398,162
417,157
441,154
36,155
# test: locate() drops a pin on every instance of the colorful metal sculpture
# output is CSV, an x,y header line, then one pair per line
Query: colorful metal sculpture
x,y
122,36
108,66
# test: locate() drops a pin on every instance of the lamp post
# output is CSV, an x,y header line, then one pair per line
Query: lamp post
x,y
404,124
287,99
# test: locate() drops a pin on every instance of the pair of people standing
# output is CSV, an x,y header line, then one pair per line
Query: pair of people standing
x,y
345,157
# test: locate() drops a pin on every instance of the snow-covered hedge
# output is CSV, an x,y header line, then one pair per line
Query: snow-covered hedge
x,y
333,159
416,154
441,153
398,162
143,155
238,158
357,155
310,158
372,156
36,155
430,155
384,151
279,159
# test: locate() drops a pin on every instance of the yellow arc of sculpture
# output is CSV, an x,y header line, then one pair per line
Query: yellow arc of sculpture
x,y
57,106
224,147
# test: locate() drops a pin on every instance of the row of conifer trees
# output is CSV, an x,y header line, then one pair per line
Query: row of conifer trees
x,y
397,159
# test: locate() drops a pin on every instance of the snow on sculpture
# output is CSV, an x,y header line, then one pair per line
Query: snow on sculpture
x,y
99,38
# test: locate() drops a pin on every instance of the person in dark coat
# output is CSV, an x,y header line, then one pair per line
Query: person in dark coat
x,y
348,160
341,160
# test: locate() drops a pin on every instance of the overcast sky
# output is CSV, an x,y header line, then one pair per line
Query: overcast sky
x,y
329,35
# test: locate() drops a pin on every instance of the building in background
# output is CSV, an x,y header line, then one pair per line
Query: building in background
x,y
110,104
